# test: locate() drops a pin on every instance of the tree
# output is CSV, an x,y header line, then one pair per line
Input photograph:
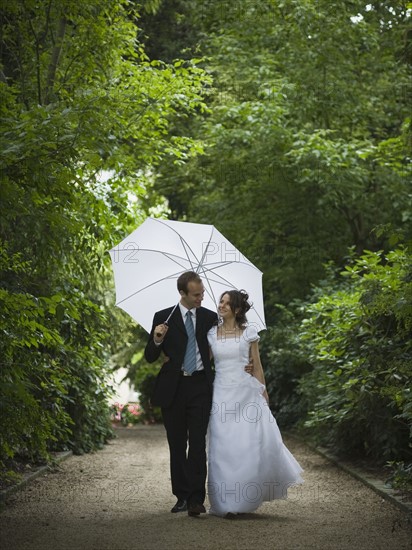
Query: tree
x,y
86,116
305,97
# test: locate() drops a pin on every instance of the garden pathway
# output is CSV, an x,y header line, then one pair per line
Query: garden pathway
x,y
119,498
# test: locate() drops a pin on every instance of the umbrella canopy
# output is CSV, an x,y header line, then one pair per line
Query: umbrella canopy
x,y
148,262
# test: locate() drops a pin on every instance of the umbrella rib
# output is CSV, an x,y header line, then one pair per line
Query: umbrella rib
x,y
168,254
183,241
186,258
260,318
212,267
150,285
207,267
205,251
231,286
200,267
222,279
203,269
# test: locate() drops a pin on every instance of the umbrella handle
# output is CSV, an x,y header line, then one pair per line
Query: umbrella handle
x,y
158,334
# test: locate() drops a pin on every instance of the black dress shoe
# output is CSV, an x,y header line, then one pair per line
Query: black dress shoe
x,y
195,509
180,506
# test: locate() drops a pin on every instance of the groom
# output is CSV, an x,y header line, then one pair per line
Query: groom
x,y
184,389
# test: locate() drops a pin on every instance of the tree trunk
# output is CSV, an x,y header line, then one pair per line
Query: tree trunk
x,y
51,74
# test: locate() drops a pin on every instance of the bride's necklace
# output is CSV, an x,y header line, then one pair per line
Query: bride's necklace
x,y
228,330
231,333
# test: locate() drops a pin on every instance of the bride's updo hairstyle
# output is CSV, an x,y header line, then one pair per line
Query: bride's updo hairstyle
x,y
238,300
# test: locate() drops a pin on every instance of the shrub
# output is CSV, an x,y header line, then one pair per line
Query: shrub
x,y
284,364
144,381
129,413
357,339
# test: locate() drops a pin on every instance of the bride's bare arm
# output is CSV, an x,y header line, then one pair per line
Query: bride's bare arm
x,y
257,366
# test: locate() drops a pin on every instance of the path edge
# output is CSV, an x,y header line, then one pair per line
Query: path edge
x,y
372,483
28,477
376,485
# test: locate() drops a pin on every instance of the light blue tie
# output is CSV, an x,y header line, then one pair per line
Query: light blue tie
x,y
189,363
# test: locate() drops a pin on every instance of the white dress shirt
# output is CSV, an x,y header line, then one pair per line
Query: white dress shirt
x,y
183,311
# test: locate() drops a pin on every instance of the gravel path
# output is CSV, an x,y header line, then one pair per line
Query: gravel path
x,y
119,498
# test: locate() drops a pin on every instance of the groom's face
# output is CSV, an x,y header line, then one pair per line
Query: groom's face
x,y
194,296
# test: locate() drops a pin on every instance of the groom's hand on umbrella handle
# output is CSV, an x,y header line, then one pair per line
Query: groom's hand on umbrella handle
x,y
249,367
159,333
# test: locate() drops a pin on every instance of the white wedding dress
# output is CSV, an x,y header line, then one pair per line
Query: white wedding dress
x,y
247,460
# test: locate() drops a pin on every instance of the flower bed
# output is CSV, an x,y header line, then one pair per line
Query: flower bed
x,y
126,414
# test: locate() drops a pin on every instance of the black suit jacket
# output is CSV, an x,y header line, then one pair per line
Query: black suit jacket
x,y
174,347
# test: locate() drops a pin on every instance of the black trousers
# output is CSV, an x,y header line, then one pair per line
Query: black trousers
x,y
186,422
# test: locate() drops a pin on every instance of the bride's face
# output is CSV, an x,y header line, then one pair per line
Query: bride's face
x,y
225,311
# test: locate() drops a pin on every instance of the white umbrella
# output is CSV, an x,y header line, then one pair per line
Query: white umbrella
x,y
148,262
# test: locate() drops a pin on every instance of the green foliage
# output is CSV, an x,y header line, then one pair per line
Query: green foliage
x,y
401,476
307,131
128,413
308,141
140,374
357,338
32,412
86,116
144,381
286,124
10,477
284,365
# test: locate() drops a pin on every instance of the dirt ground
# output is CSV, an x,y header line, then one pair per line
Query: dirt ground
x,y
120,498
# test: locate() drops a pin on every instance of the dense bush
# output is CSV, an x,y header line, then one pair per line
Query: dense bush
x,y
284,365
85,117
54,385
296,169
357,337
144,382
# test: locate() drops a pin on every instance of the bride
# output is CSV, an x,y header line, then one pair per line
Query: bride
x,y
247,460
